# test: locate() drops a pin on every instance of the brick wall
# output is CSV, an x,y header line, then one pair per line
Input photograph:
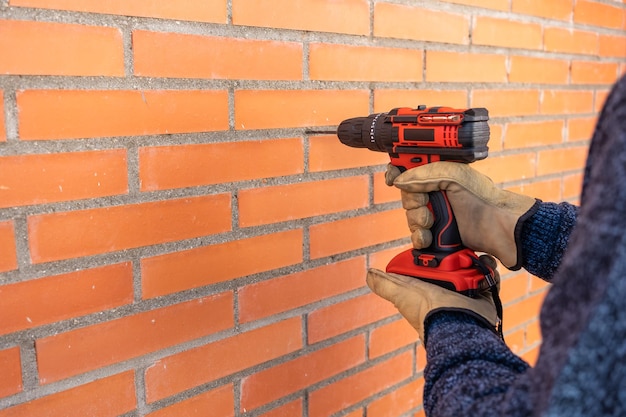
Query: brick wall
x,y
173,242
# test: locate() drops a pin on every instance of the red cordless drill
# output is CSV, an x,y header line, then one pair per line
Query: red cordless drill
x,y
414,137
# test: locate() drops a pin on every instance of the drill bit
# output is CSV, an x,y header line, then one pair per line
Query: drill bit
x,y
320,132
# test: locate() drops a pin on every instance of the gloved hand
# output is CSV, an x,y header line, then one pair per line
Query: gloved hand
x,y
489,219
416,300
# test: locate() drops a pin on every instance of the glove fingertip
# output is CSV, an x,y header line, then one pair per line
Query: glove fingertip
x,y
391,174
421,238
380,285
372,275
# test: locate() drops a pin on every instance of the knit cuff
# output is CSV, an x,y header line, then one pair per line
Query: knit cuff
x,y
545,236
448,325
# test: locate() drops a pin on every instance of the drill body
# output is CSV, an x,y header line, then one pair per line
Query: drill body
x,y
414,137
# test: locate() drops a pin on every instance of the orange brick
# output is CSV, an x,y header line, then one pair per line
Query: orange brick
x,y
277,295
327,153
296,201
293,408
387,99
398,402
531,356
566,102
390,337
515,340
60,49
523,135
382,192
47,178
180,166
487,4
328,62
410,22
221,262
203,364
580,128
614,46
268,385
217,402
348,315
506,33
549,190
84,400
174,55
570,41
526,69
554,161
599,14
465,67
350,390
381,258
297,108
585,72
71,114
533,333
555,9
420,413
8,260
357,232
67,235
3,129
420,358
522,312
195,10
64,296
538,286
508,168
310,15
88,348
504,103
572,185
11,371
601,96
514,288
496,137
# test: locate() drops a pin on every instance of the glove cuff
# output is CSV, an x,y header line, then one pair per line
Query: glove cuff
x,y
441,312
519,227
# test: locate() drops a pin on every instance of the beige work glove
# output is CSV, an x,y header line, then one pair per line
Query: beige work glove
x,y
489,219
416,300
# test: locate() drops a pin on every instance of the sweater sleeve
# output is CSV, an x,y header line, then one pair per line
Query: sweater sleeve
x,y
469,368
545,236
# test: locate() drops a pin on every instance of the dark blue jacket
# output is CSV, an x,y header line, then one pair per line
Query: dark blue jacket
x,y
581,368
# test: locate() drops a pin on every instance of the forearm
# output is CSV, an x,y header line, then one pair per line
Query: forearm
x,y
469,370
545,236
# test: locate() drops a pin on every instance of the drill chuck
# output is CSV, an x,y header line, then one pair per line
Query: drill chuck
x,y
367,132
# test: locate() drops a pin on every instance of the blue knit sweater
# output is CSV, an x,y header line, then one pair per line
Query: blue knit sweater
x,y
581,368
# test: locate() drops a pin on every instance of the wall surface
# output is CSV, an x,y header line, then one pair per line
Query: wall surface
x,y
175,242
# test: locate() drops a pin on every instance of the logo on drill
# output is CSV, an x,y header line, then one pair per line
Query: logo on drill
x,y
372,140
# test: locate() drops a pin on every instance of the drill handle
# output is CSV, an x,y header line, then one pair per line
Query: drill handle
x,y
446,236
445,230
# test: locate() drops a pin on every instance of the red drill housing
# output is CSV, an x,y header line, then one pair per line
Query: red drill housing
x,y
414,137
